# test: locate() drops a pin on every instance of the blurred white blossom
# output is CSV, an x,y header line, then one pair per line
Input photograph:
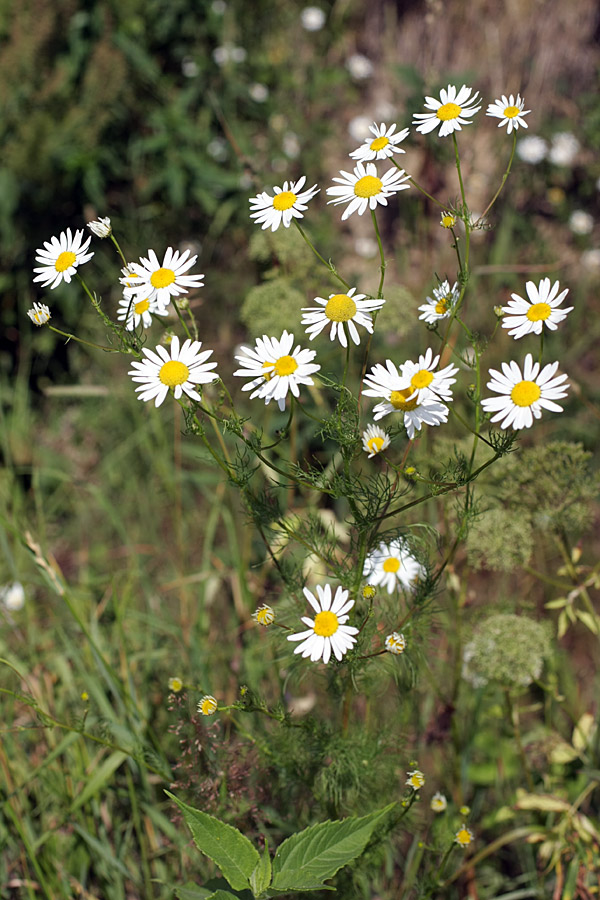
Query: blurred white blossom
x,y
564,149
312,18
532,149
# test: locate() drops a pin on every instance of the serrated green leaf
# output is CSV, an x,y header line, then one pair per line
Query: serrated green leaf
x,y
317,853
191,891
261,877
228,848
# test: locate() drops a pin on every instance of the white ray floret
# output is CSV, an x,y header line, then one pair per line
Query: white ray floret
x,y
425,381
542,308
289,202
385,143
132,310
364,189
341,311
327,633
159,282
400,396
392,565
442,303
274,368
60,258
450,112
524,394
375,439
179,368
509,111
101,228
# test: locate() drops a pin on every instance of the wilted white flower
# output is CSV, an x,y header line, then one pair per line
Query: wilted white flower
x,y
101,228
40,314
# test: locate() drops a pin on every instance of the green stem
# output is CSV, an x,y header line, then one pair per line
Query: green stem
x,y
328,265
541,346
503,182
381,255
73,337
181,319
119,251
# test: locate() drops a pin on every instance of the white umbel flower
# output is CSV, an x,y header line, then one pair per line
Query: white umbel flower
x,y
442,303
374,440
160,282
327,632
364,189
101,228
179,368
529,316
524,395
289,202
509,111
39,314
400,396
391,565
61,257
385,143
453,109
274,369
341,311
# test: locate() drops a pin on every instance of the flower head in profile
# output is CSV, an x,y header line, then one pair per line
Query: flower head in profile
x,y
438,803
60,258
287,203
385,143
392,565
275,369
341,311
509,111
542,308
101,228
39,314
134,310
264,615
415,779
399,395
442,303
395,643
327,632
159,282
364,189
453,109
175,684
179,368
375,439
464,836
208,705
524,394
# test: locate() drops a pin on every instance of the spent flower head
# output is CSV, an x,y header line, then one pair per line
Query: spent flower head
x,y
264,615
415,779
395,643
39,314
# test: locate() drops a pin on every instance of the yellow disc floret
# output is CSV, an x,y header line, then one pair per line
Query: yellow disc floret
x,y
375,444
340,308
65,261
368,186
379,143
511,111
284,200
448,111
326,623
421,379
285,365
525,393
208,705
399,400
173,373
539,312
162,278
392,564
142,307
441,307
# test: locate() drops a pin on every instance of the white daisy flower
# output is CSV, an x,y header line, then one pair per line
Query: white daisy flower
x,y
134,309
60,258
180,369
375,439
102,228
288,203
452,110
364,189
327,632
464,836
166,280
207,705
423,378
275,369
542,308
415,779
447,219
391,565
264,615
385,144
39,314
509,111
342,311
441,305
400,396
438,803
395,643
524,395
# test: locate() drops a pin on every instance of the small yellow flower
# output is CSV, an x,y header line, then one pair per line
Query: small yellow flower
x,y
463,836
85,696
465,810
264,615
438,803
369,592
448,220
208,705
415,779
175,684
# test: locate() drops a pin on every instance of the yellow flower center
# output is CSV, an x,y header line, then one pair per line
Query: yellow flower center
x,y
448,221
538,312
208,706
285,365
162,278
375,444
268,374
340,308
174,373
399,400
441,307
65,261
326,623
463,837
391,565
284,200
448,111
525,393
421,379
368,186
142,306
511,111
379,143
265,615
